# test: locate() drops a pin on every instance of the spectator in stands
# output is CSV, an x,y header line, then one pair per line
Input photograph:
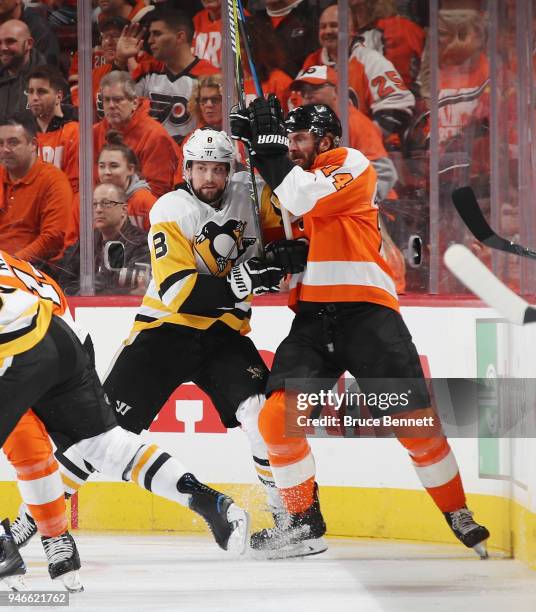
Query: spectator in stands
x,y
205,105
400,39
133,10
375,85
17,59
61,12
123,111
111,224
295,23
119,165
57,125
110,31
269,57
190,7
42,34
318,85
35,197
168,81
206,43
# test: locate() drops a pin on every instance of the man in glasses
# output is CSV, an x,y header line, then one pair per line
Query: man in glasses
x,y
117,270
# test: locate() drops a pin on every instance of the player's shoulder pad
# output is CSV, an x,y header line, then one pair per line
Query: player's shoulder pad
x,y
177,206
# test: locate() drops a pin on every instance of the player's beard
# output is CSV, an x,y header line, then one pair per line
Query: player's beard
x,y
304,160
212,197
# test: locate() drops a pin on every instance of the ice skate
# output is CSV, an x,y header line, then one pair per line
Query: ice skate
x,y
470,533
23,527
12,566
294,535
63,561
228,522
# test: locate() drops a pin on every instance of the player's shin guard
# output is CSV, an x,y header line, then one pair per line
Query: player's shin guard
x,y
29,450
437,469
248,417
438,472
301,531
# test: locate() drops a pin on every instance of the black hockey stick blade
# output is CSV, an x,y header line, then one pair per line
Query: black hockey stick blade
x,y
466,204
482,282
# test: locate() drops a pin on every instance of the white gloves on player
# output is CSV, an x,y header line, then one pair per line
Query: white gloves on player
x,y
254,277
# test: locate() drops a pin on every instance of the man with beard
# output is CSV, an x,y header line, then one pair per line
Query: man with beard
x,y
192,323
42,34
17,58
347,319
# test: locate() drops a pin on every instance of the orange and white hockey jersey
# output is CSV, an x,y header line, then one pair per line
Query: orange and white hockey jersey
x,y
28,299
373,79
206,43
336,201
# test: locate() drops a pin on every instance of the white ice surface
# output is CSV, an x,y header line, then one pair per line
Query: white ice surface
x,y
189,573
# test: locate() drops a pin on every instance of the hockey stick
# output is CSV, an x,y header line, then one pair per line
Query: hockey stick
x,y
482,282
467,206
258,89
232,7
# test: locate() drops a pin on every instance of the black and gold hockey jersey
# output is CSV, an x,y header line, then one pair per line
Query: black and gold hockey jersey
x,y
193,247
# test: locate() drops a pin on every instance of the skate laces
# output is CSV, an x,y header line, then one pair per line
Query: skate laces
x,y
59,548
23,527
462,520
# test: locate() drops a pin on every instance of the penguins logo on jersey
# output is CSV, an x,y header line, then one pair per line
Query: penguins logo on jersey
x,y
219,246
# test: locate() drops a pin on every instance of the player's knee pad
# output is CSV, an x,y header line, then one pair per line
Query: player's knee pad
x,y
248,417
272,419
28,447
111,452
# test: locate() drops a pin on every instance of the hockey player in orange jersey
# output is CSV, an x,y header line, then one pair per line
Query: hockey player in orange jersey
x,y
44,365
347,316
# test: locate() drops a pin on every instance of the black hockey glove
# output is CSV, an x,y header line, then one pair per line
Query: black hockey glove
x,y
254,277
290,255
268,131
240,125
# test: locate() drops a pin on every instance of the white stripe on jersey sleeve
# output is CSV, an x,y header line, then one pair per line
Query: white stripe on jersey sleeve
x,y
300,190
177,207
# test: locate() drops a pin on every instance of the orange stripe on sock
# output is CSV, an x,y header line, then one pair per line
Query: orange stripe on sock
x,y
50,518
142,461
450,496
300,497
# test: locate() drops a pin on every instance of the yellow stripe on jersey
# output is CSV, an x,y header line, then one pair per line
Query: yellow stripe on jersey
x,y
34,334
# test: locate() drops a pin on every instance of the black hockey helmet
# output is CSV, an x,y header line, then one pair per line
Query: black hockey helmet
x,y
319,119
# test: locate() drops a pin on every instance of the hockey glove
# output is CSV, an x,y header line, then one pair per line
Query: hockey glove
x,y
240,125
254,277
290,255
268,131
392,121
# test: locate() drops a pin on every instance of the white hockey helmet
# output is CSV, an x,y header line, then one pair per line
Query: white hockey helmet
x,y
209,145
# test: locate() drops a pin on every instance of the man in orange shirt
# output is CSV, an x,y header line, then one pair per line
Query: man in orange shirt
x,y
206,43
347,319
35,197
157,152
318,85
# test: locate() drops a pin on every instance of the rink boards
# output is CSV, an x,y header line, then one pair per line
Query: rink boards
x,y
368,485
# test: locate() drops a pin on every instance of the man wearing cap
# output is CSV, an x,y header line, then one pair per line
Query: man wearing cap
x,y
318,85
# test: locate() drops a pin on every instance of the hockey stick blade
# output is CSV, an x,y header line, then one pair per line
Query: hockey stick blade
x,y
483,283
467,206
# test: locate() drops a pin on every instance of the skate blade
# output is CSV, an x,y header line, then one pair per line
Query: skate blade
x,y
238,540
307,548
481,550
16,583
71,581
